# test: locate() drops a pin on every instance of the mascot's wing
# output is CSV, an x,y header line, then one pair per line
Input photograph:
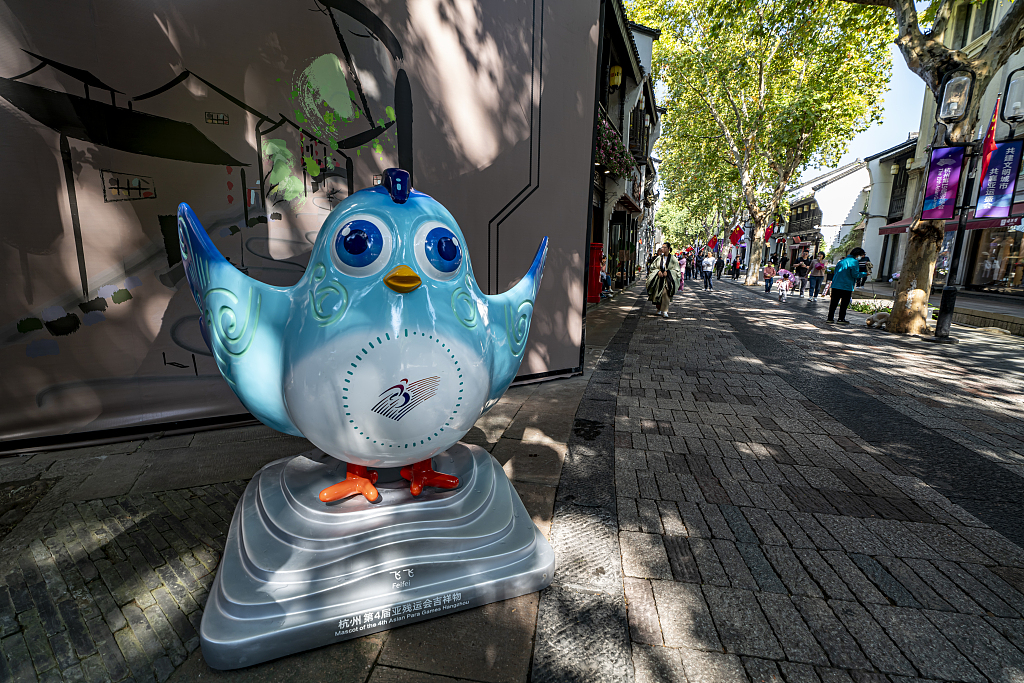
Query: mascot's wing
x,y
509,324
242,321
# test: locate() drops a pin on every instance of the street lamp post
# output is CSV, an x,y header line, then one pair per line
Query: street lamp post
x,y
1012,112
956,98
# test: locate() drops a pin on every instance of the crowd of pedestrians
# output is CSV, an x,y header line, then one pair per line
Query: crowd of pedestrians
x,y
667,273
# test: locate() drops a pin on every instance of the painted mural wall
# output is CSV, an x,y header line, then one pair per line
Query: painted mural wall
x,y
262,116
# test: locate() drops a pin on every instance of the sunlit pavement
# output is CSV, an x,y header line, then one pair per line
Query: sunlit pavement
x,y
739,492
806,502
106,576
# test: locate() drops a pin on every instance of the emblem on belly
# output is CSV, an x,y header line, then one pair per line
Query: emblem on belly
x,y
396,402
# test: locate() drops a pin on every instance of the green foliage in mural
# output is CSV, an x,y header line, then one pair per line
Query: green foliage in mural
x,y
325,105
282,178
312,168
323,95
120,296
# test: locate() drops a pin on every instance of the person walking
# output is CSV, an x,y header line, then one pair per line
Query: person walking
x,y
769,277
802,268
864,265
663,280
736,268
843,283
818,266
706,269
719,267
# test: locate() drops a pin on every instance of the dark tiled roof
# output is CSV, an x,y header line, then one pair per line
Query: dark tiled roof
x,y
623,22
902,147
652,32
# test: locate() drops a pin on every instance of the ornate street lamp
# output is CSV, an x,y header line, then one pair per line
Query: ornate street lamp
x,y
1013,101
957,90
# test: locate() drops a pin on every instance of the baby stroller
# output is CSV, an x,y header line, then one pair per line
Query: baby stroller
x,y
787,280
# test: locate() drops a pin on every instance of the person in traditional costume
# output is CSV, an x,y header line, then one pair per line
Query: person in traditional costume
x,y
663,279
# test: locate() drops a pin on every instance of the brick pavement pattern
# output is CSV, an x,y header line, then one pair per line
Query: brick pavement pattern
x,y
763,540
727,528
113,589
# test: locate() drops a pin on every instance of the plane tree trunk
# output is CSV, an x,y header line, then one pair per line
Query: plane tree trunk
x,y
910,307
929,58
756,246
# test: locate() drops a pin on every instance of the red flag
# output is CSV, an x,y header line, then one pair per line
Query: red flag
x,y
768,232
735,235
712,242
990,140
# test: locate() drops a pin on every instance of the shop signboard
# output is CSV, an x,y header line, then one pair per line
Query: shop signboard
x,y
1000,181
943,183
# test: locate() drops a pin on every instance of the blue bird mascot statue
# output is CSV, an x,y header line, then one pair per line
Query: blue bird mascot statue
x,y
385,352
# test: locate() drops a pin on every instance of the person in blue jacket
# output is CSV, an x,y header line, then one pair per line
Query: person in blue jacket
x,y
843,283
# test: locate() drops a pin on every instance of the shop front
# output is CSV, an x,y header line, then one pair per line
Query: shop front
x,y
996,265
992,260
622,239
803,244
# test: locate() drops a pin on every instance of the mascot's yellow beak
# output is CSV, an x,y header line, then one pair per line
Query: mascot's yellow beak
x,y
402,279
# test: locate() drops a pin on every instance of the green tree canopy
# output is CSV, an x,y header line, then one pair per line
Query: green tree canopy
x,y
677,224
759,90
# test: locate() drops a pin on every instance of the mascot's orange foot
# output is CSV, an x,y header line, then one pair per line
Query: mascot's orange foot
x,y
422,474
357,480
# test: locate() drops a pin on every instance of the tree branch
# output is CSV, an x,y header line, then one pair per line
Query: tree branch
x,y
874,3
1007,38
942,16
925,54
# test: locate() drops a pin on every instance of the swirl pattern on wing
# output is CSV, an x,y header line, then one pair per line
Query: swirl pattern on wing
x,y
229,334
197,271
328,299
517,324
464,307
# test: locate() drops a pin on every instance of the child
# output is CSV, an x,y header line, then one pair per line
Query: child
x,y
787,280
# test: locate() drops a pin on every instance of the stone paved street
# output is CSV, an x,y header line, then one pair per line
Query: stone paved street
x,y
739,492
803,502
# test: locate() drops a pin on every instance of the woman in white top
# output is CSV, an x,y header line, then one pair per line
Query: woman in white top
x,y
707,268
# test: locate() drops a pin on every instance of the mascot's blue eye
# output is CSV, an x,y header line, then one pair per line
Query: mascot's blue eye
x,y
359,243
443,250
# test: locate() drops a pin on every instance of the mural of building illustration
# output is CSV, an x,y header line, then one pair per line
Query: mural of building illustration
x,y
110,117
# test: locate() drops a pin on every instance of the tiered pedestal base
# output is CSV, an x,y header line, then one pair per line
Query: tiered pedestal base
x,y
298,574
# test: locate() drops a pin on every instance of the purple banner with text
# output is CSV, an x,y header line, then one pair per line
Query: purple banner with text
x,y
1000,181
943,183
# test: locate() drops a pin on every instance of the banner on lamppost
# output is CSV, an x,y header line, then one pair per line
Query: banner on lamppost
x,y
943,183
999,181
